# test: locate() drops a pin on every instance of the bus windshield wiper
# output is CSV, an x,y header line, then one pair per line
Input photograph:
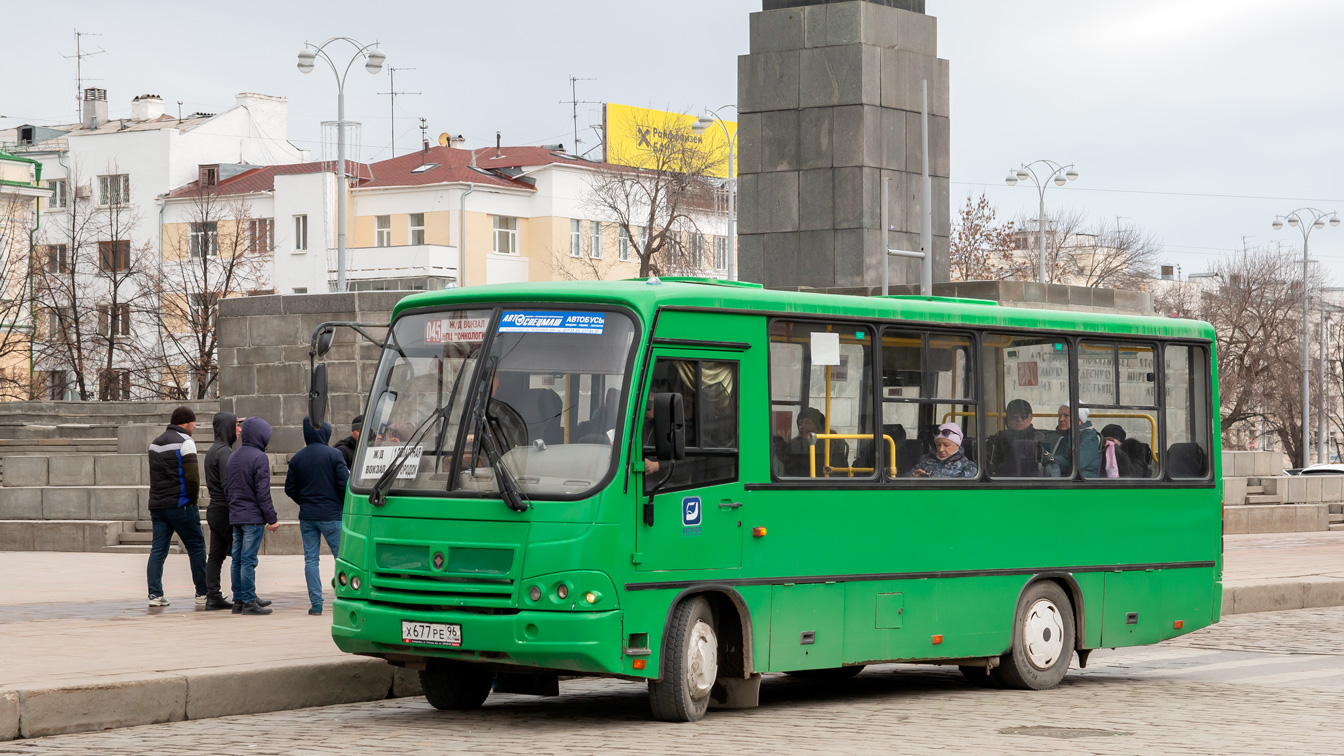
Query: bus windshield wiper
x,y
508,487
378,496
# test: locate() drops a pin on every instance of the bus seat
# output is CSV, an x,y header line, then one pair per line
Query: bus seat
x,y
541,410
968,448
1140,457
1187,460
908,453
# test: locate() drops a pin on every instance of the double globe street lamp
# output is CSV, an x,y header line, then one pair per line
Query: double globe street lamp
x,y
1048,171
1306,220
373,63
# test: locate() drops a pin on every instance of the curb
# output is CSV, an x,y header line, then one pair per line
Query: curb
x,y
157,697
1283,595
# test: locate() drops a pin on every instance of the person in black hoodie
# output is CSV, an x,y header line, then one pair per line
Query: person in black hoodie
x,y
316,481
217,513
347,445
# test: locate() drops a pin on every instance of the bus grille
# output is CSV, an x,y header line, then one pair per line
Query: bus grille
x,y
432,591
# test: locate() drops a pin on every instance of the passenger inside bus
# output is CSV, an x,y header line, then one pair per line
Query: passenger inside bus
x,y
947,459
1016,451
798,452
1115,462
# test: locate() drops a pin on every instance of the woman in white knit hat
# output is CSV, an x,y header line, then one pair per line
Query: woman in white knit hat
x,y
947,460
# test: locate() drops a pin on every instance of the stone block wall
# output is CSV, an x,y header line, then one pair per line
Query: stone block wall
x,y
263,358
830,109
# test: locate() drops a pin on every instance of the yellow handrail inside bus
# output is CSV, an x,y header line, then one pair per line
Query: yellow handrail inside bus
x,y
812,453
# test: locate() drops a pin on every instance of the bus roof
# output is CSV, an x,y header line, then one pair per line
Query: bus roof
x,y
645,297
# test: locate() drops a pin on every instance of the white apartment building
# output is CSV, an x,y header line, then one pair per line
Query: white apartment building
x,y
122,167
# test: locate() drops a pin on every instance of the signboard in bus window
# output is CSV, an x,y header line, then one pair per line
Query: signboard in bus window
x,y
453,330
377,458
1027,374
588,323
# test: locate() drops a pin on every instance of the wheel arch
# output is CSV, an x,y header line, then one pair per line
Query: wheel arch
x,y
1065,581
734,619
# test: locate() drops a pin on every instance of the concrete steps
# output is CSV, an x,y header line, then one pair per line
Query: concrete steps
x,y
1263,499
1276,518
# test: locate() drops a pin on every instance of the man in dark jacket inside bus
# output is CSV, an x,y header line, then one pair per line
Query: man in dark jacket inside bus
x,y
217,513
316,481
347,445
174,488
247,483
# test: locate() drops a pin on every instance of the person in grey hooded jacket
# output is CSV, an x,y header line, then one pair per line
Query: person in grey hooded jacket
x,y
217,514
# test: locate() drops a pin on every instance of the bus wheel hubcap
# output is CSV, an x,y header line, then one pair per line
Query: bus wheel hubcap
x,y
1043,634
702,666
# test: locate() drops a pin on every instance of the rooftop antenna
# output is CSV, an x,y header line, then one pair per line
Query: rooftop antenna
x,y
575,102
79,57
392,94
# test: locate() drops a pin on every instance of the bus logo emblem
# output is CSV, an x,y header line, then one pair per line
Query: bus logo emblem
x,y
690,511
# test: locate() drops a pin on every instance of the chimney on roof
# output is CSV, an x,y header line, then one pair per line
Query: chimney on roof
x,y
499,141
147,107
95,107
457,141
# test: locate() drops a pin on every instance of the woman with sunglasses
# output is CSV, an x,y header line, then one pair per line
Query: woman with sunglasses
x,y
947,460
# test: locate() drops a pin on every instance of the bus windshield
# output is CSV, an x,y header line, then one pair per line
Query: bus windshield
x,y
551,385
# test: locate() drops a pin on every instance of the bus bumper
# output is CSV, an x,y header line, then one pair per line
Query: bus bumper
x,y
588,642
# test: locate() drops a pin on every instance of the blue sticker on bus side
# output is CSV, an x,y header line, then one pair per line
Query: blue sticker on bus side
x,y
690,511
590,323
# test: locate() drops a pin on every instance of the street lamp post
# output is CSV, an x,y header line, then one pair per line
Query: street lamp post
x,y
1049,171
373,64
1306,220
699,128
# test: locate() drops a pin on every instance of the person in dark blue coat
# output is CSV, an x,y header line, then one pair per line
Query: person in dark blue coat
x,y
316,482
248,487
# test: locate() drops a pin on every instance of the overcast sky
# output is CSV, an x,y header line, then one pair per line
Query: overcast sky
x,y
1197,120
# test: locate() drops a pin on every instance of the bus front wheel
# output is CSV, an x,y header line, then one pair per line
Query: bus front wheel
x,y
455,686
690,664
1043,635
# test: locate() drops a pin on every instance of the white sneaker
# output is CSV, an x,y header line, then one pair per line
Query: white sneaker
x,y
200,600
158,601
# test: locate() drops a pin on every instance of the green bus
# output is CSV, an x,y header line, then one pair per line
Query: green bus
x,y
693,482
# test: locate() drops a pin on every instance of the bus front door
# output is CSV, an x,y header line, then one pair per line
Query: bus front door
x,y
694,521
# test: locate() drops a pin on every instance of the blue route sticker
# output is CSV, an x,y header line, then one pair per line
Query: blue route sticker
x,y
589,323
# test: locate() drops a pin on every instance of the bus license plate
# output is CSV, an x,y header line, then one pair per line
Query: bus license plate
x,y
432,633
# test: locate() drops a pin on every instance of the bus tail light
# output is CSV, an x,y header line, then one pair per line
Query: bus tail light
x,y
937,640
1178,624
640,663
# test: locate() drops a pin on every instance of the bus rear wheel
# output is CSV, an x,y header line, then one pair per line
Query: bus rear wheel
x,y
455,686
1043,637
690,664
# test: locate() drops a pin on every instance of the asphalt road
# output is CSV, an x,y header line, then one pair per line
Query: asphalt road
x,y
1254,684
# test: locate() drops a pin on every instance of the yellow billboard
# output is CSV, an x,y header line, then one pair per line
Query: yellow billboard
x,y
637,137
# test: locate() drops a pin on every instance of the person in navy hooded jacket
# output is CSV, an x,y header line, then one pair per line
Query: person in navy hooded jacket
x,y
248,486
316,481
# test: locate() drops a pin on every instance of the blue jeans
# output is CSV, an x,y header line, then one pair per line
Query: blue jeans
x,y
313,531
186,523
243,567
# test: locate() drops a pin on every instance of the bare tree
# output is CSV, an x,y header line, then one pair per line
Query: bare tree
x,y
1254,304
981,247
657,207
17,215
87,294
221,251
1080,253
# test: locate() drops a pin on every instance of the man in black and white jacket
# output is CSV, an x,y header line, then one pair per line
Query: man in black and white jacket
x,y
174,488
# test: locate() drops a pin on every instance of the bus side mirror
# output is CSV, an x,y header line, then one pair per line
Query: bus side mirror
x,y
317,395
669,426
324,341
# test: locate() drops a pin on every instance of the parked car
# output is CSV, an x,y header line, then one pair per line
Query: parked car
x,y
1331,468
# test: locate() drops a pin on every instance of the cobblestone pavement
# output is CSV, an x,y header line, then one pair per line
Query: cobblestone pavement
x,y
1255,684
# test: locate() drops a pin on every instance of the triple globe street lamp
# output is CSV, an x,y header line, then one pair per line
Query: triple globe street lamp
x,y
1306,220
710,118
1042,172
373,63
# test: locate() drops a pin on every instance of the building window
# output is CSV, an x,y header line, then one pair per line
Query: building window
x,y
300,289
595,240
53,323
300,233
204,239
260,235
114,189
720,253
382,235
623,253
210,175
506,235
114,321
576,238
114,384
56,257
696,254
417,228
51,384
59,198
114,256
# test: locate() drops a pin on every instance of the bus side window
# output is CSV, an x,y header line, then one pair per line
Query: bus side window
x,y
1117,383
1187,395
927,383
709,391
813,397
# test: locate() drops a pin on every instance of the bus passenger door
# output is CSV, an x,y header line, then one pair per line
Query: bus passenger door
x,y
695,521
